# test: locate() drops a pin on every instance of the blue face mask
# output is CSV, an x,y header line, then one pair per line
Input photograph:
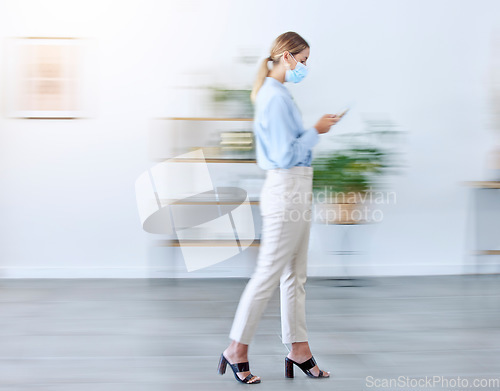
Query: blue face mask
x,y
296,75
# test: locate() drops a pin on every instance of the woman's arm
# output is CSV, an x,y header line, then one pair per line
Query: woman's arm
x,y
284,148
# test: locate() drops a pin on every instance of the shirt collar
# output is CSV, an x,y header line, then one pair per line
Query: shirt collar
x,y
277,84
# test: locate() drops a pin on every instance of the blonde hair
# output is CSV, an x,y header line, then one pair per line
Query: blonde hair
x,y
289,41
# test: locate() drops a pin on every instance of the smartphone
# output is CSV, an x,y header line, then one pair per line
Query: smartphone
x,y
343,113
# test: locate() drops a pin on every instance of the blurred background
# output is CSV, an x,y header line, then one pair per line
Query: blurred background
x,y
96,95
68,171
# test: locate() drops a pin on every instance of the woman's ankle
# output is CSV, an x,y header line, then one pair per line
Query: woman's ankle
x,y
300,349
237,348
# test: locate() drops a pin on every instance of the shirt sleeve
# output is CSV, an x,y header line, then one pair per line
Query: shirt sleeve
x,y
285,149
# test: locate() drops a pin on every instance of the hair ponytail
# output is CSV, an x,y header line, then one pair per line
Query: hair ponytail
x,y
289,41
261,76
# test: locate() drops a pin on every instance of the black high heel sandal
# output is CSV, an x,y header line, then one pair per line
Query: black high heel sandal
x,y
238,367
305,366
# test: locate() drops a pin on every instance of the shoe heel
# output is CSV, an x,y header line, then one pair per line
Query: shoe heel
x,y
221,369
288,368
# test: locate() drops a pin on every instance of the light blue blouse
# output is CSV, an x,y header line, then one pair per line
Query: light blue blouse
x,y
281,140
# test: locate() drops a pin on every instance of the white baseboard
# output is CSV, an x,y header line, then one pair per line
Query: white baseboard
x,y
228,272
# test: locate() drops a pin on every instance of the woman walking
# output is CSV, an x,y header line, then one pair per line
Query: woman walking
x,y
284,151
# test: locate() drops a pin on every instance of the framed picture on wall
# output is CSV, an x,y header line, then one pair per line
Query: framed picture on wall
x,y
49,78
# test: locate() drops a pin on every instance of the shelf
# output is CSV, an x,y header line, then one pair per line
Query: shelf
x,y
484,184
205,119
207,160
174,202
207,243
488,252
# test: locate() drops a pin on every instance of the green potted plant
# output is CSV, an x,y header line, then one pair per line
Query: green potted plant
x,y
233,102
344,177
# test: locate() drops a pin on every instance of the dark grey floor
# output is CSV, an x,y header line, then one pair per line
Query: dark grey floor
x,y
137,334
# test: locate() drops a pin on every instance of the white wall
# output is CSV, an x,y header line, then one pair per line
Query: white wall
x,y
67,196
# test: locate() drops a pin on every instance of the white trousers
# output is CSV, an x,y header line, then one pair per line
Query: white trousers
x,y
285,207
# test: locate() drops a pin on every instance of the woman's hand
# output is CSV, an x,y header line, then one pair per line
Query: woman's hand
x,y
326,122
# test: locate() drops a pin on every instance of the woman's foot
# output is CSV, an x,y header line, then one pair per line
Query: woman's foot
x,y
300,353
236,353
